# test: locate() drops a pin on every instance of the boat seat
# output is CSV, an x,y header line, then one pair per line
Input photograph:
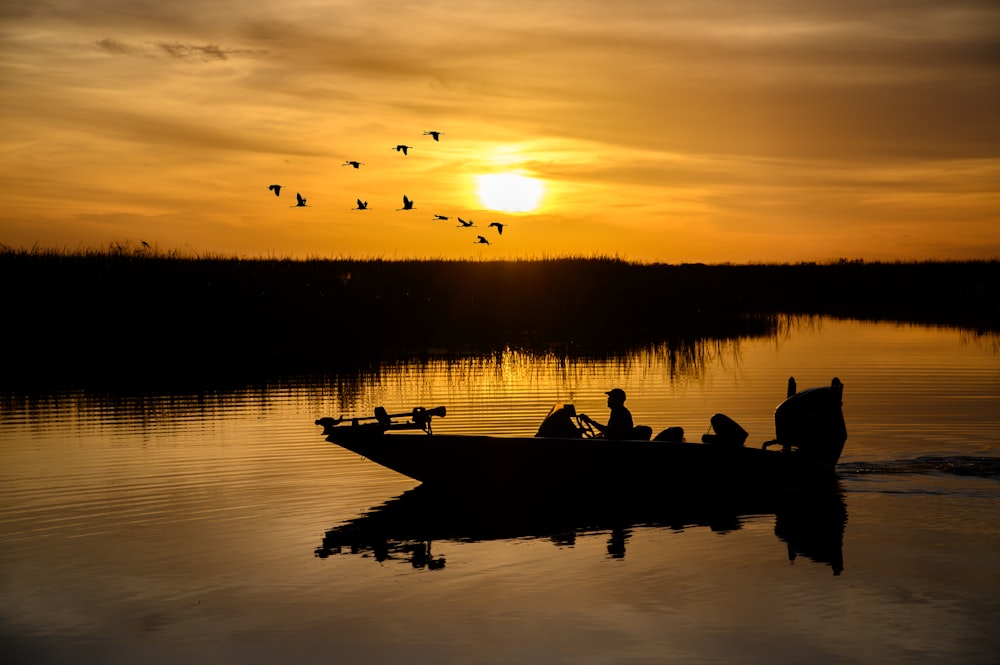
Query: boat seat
x,y
641,433
382,416
675,434
727,432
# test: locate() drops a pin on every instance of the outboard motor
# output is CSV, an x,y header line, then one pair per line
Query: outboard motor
x,y
812,421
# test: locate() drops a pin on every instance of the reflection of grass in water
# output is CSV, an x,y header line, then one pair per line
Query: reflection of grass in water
x,y
134,407
138,310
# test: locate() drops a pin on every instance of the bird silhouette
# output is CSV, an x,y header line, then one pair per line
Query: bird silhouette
x,y
442,217
352,163
481,241
301,201
407,204
144,244
463,223
362,205
402,148
276,189
499,227
434,135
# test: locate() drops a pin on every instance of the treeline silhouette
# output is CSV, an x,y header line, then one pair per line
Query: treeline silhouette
x,y
133,311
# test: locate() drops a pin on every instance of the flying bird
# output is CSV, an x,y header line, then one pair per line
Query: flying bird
x,y
276,189
352,163
301,201
407,204
442,217
481,241
463,223
362,205
434,135
402,148
499,227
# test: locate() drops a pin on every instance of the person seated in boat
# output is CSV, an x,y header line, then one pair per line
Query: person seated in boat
x,y
620,426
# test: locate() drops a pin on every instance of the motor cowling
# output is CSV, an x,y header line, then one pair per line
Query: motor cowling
x,y
812,421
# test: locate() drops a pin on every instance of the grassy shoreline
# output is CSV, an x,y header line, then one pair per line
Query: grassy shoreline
x,y
128,309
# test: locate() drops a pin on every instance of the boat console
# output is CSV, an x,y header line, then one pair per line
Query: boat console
x,y
560,423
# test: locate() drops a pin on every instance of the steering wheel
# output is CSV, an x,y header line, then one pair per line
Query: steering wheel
x,y
585,427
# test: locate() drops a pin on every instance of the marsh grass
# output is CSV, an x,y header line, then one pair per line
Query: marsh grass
x,y
132,309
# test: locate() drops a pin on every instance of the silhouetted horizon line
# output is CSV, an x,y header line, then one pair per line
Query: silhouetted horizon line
x,y
145,250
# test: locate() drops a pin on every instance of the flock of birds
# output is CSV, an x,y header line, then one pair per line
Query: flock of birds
x,y
300,201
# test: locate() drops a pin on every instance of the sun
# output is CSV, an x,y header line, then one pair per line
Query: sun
x,y
509,192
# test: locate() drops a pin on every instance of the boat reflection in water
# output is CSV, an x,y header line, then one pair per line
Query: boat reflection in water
x,y
811,524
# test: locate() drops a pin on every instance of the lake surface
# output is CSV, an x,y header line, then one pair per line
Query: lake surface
x,y
220,526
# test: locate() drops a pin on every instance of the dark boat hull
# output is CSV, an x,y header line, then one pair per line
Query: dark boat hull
x,y
558,464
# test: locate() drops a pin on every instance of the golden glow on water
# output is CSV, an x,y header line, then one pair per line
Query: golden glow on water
x,y
186,524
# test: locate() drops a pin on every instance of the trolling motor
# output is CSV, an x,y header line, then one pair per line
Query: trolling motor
x,y
419,418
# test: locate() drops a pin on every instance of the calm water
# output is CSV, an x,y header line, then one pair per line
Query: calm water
x,y
186,528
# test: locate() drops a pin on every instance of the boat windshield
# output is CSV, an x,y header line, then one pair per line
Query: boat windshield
x,y
560,423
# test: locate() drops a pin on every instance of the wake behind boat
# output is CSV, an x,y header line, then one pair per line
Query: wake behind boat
x,y
566,454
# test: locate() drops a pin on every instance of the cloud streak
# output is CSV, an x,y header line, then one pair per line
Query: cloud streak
x,y
175,50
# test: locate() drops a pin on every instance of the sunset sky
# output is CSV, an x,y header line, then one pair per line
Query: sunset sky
x,y
674,131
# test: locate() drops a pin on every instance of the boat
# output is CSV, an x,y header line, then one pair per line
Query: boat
x,y
565,454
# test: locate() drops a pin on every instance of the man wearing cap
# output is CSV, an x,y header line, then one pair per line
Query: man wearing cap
x,y
620,424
